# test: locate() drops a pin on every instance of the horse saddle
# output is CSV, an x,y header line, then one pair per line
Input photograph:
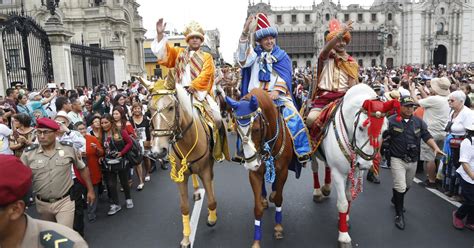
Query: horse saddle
x,y
219,146
320,125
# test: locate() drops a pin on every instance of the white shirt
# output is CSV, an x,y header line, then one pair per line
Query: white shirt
x,y
466,155
464,119
435,115
403,91
160,51
75,117
4,144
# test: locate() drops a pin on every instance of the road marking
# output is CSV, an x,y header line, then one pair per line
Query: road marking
x,y
195,216
438,193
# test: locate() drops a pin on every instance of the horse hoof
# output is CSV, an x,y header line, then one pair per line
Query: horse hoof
x,y
256,244
211,224
185,246
326,190
344,245
264,203
272,196
278,235
318,198
278,232
196,197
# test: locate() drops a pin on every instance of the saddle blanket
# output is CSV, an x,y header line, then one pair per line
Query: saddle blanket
x,y
318,129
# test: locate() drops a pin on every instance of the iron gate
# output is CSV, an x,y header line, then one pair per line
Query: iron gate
x,y
27,51
92,65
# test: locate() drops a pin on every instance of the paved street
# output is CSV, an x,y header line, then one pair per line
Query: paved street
x,y
156,221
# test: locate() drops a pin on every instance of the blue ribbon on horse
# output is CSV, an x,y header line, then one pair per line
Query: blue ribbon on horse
x,y
269,164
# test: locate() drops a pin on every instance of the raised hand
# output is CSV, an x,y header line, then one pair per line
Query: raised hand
x,y
347,27
160,28
247,23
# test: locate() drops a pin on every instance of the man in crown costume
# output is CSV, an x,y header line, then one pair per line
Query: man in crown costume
x,y
336,73
194,69
268,67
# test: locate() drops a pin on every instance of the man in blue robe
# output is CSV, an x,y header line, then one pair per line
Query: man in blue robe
x,y
268,67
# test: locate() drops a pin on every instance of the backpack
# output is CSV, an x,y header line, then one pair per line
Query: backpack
x,y
135,155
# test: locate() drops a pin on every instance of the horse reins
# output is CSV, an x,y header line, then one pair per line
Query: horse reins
x,y
351,144
247,136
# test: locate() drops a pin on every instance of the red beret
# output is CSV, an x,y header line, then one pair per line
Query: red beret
x,y
15,179
47,123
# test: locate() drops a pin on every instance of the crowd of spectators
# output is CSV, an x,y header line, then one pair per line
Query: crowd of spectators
x,y
100,123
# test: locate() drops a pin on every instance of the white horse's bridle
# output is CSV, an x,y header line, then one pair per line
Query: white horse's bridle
x,y
351,144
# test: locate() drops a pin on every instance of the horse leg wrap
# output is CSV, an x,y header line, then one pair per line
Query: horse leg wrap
x,y
195,181
212,215
316,180
186,226
257,234
278,215
327,175
343,222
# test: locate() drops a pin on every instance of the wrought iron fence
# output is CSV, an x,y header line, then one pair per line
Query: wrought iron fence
x,y
92,65
27,51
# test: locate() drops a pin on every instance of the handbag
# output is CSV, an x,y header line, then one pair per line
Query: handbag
x,y
115,164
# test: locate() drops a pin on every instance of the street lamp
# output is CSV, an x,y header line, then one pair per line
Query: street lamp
x,y
382,37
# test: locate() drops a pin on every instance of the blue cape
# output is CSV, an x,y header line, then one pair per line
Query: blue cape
x,y
282,66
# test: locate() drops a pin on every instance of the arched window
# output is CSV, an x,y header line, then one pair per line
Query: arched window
x,y
440,27
442,11
389,40
389,16
374,63
326,34
328,17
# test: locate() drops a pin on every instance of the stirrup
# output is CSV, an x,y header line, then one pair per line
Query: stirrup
x,y
303,159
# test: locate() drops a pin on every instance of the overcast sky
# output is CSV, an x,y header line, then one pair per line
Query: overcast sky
x,y
226,15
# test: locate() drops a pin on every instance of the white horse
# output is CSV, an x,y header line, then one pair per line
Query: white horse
x,y
348,143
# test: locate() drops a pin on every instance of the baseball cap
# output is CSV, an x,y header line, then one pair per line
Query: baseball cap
x,y
407,101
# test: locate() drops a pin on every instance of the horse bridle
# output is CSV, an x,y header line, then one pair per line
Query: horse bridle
x,y
174,130
353,144
246,137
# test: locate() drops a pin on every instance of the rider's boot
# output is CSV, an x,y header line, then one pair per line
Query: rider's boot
x,y
399,216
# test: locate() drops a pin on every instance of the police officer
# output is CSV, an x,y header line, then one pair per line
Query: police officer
x,y
51,162
405,134
17,229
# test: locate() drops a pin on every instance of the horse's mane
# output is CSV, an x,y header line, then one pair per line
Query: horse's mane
x,y
355,96
264,101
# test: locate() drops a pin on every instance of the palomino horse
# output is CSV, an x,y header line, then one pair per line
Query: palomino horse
x,y
265,140
351,143
176,123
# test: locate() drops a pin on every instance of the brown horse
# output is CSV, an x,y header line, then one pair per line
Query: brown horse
x,y
176,124
227,86
265,138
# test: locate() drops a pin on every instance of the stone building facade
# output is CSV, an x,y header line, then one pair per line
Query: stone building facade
x,y
113,25
389,32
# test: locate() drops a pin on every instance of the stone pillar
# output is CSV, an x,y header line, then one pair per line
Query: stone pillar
x,y
60,52
3,72
120,62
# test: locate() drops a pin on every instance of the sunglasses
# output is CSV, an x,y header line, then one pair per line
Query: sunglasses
x,y
43,132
